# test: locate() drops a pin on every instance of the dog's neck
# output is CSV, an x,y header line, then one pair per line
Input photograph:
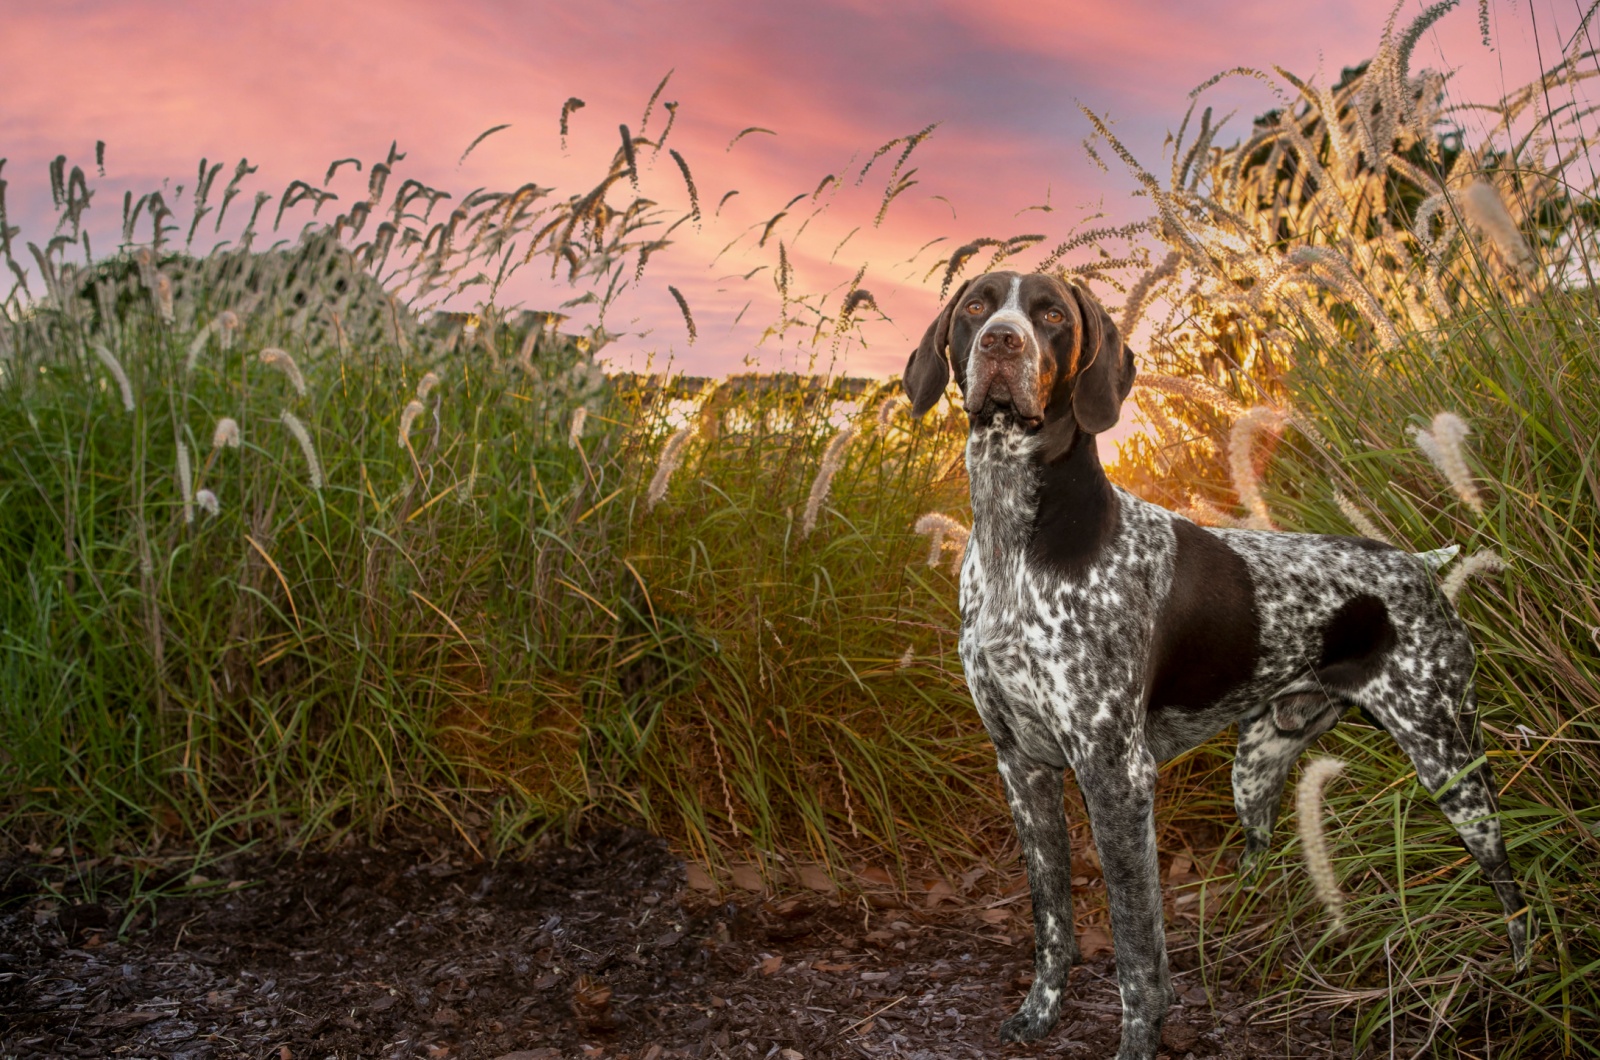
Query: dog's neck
x,y
1061,513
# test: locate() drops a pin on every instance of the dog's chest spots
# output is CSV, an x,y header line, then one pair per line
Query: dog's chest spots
x,y
1055,654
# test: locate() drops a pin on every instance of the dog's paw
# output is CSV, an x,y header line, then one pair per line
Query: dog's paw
x,y
1524,931
1253,861
1027,1025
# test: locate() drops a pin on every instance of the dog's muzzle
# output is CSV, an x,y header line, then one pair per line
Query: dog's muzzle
x,y
1004,371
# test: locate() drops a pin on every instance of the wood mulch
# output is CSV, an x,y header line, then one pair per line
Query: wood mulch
x,y
606,948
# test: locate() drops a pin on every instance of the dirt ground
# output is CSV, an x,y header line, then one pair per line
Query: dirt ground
x,y
609,948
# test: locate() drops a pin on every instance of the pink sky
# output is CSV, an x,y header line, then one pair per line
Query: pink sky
x,y
292,85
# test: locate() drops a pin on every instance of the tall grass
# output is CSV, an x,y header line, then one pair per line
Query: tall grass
x,y
455,574
1355,267
1422,923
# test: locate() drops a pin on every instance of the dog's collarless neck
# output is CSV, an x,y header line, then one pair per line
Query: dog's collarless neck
x,y
1061,513
1077,509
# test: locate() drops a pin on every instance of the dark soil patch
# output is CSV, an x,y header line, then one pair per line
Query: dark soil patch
x,y
597,950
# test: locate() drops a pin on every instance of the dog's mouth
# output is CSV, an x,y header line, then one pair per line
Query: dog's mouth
x,y
997,400
1003,387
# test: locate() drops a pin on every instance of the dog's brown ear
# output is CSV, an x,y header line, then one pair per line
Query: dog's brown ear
x,y
1105,372
928,370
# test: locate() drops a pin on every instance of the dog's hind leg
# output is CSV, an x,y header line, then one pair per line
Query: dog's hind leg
x,y
1269,745
1034,792
1443,744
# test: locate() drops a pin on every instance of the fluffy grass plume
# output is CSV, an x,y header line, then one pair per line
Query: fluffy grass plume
x,y
943,533
1358,518
408,419
226,434
114,366
280,359
1313,844
1242,460
832,457
309,451
1485,562
671,457
1483,206
1443,445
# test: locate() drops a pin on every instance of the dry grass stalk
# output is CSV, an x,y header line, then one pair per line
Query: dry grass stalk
x,y
1241,461
185,482
525,353
1199,510
671,457
832,457
163,296
844,786
1443,446
114,366
722,775
303,436
1358,518
273,357
1319,866
1485,562
1194,389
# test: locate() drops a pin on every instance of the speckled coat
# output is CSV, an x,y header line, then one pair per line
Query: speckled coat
x,y
1105,634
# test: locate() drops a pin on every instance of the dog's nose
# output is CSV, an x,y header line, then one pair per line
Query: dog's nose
x,y
1001,338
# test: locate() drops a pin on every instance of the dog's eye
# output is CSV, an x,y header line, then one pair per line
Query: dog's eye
x,y
1054,316
975,306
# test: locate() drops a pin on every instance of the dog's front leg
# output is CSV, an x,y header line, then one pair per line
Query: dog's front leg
x,y
1118,785
1034,791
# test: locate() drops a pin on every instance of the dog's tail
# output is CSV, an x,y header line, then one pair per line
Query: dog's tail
x,y
1437,558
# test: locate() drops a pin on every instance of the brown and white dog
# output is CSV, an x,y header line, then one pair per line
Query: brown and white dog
x,y
1106,634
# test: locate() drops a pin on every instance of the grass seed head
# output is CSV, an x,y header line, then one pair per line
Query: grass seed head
x,y
832,457
1485,562
226,434
301,435
575,428
426,384
671,457
114,366
1319,866
408,419
1482,205
890,406
280,359
1241,461
943,533
163,295
1358,518
1443,446
208,502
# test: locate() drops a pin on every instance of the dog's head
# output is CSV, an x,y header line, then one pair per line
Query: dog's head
x,y
1034,347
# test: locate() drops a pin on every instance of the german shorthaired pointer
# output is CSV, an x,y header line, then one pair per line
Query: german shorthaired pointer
x,y
1107,634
